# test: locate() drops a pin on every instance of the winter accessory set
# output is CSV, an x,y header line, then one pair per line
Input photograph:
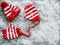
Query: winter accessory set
x,y
11,12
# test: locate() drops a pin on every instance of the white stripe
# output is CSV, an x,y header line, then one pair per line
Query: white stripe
x,y
11,7
8,14
10,32
31,11
9,10
33,17
13,31
30,7
7,7
31,14
14,8
16,32
7,33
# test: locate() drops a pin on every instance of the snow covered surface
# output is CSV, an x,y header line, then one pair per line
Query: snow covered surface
x,y
46,33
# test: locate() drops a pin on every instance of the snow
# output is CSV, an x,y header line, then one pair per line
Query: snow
x,y
46,33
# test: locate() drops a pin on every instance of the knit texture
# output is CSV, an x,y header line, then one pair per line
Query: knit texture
x,y
46,33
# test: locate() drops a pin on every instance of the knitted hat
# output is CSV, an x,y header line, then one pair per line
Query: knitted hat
x,y
10,11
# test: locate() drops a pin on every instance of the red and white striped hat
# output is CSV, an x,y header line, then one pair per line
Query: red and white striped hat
x,y
10,10
31,12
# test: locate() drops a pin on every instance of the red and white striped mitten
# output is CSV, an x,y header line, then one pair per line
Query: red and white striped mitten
x,y
31,12
13,32
10,11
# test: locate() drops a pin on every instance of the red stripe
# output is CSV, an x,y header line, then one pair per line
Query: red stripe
x,y
15,8
33,15
14,31
12,8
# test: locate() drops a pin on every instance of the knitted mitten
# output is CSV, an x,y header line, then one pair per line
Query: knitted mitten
x,y
32,14
13,32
